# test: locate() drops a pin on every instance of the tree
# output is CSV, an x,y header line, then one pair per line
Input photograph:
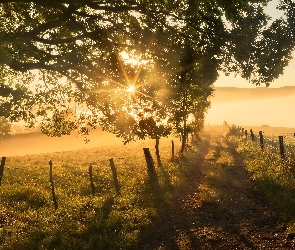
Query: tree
x,y
56,55
5,127
192,87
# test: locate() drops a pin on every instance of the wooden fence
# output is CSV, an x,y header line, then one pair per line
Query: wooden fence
x,y
282,144
150,170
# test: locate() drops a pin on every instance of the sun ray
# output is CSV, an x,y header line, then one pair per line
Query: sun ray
x,y
141,66
133,88
122,67
172,72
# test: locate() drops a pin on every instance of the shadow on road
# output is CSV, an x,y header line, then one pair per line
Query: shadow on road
x,y
218,207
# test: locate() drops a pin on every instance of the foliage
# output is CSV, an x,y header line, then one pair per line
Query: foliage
x,y
189,99
86,56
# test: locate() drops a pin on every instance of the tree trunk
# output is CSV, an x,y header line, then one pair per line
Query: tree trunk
x,y
184,135
172,154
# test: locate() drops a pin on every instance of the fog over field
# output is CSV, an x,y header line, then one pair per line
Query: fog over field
x,y
37,143
243,107
258,106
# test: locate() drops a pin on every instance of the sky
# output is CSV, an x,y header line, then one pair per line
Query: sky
x,y
287,79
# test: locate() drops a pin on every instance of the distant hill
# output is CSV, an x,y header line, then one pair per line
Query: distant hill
x,y
229,94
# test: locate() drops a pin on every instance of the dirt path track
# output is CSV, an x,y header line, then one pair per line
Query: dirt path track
x,y
219,207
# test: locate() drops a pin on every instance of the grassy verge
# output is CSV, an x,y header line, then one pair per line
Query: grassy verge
x,y
106,220
276,177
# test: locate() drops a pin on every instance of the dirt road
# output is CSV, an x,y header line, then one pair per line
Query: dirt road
x,y
219,207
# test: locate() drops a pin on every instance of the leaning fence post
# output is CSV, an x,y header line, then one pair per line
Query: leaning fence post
x,y
150,163
52,185
2,168
113,168
261,140
172,157
91,180
282,149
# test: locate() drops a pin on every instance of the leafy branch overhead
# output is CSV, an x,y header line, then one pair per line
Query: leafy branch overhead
x,y
74,63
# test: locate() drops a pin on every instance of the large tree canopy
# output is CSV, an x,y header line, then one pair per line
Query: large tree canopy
x,y
136,68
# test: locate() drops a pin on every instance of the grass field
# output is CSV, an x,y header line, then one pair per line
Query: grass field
x,y
103,221
109,220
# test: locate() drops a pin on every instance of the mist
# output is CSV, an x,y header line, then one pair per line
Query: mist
x,y
253,108
37,143
242,107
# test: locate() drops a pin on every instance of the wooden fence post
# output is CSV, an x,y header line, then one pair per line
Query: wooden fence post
x,y
149,163
113,168
52,185
91,180
2,168
252,135
282,149
158,151
261,140
172,156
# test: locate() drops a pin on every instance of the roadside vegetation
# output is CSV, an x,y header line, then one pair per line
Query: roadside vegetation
x,y
276,176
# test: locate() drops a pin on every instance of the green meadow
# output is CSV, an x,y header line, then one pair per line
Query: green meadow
x,y
105,220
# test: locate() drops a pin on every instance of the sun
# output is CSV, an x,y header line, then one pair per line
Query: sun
x,y
131,89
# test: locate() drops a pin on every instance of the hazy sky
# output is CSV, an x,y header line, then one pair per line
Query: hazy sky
x,y
275,112
287,79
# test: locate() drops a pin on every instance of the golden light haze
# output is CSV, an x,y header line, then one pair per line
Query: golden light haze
x,y
253,107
